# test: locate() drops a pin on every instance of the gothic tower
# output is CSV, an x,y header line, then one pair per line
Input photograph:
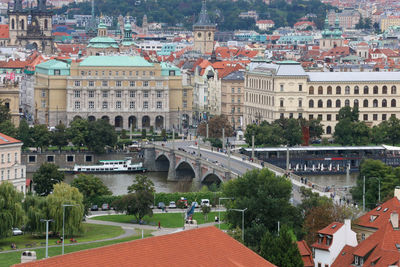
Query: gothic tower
x,y
204,32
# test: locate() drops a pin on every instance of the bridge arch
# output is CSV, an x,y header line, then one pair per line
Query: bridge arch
x,y
185,171
211,178
162,163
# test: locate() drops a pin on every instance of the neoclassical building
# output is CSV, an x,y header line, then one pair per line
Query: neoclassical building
x,y
284,89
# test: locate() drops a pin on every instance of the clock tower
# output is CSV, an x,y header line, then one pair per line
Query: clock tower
x,y
204,32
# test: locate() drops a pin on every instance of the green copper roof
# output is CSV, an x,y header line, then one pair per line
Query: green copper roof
x,y
115,61
101,39
167,67
50,66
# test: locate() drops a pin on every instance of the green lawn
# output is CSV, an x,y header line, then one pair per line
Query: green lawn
x,y
91,232
12,258
167,220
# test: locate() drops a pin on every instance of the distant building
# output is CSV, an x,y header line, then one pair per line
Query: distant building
x,y
9,96
331,36
348,18
252,14
389,21
204,32
232,90
265,25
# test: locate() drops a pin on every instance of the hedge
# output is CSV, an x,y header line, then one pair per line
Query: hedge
x,y
190,196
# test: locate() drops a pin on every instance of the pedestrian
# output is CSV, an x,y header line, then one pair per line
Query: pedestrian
x,y
159,225
301,179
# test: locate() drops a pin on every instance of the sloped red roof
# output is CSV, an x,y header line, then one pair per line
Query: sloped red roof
x,y
306,254
6,140
380,214
206,246
331,229
13,64
4,31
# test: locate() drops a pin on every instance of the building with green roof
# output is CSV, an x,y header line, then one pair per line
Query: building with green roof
x,y
115,61
102,44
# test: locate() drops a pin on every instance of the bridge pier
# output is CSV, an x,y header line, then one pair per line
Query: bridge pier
x,y
171,170
150,159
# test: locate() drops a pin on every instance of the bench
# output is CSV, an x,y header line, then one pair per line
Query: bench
x,y
28,245
43,243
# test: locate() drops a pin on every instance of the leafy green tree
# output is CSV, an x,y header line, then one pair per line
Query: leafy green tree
x,y
137,204
266,197
41,136
215,126
11,212
281,249
393,130
4,112
205,210
65,194
315,127
90,186
144,134
35,208
100,134
379,133
361,133
343,132
142,184
8,128
59,137
25,134
78,132
350,131
45,178
309,200
291,131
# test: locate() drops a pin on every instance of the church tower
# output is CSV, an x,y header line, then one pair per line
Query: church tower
x,y
204,32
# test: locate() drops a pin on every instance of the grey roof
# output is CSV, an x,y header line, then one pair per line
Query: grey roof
x,y
236,75
204,19
290,69
353,76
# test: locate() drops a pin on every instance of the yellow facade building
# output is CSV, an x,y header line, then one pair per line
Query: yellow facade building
x,y
9,96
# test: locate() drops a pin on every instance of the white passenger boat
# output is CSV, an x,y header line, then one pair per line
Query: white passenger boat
x,y
124,165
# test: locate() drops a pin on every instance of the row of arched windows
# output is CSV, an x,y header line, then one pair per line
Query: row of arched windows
x,y
338,103
356,90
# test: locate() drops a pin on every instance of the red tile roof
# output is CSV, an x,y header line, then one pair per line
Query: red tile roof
x,y
206,246
306,254
380,215
331,229
4,31
6,140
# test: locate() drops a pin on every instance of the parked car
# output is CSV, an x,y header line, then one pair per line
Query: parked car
x,y
94,208
172,205
16,231
161,205
182,203
205,202
105,206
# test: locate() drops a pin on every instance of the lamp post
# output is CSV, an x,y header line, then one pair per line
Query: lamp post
x,y
242,211
47,234
64,205
219,211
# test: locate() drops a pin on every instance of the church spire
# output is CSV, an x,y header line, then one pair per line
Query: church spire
x,y
204,19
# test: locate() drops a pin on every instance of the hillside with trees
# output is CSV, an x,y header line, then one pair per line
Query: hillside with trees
x,y
224,13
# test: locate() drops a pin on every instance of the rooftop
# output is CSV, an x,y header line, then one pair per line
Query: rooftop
x,y
6,140
115,61
353,76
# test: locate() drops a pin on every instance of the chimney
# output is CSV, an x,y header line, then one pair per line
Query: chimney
x,y
397,192
394,219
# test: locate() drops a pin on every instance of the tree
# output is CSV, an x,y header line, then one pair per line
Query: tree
x,y
144,134
393,130
142,184
41,136
65,194
78,132
266,197
59,137
100,134
215,126
35,208
8,128
90,186
281,249
4,112
137,204
11,212
25,134
205,210
315,127
350,131
45,178
291,131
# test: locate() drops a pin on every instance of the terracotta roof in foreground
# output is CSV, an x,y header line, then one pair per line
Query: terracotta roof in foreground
x,y
206,246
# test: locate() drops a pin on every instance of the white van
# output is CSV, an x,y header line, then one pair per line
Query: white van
x,y
205,202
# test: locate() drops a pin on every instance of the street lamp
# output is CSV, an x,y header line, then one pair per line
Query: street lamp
x,y
242,211
65,205
219,211
47,234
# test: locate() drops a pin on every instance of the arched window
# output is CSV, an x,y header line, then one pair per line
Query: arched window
x,y
384,103
376,90
329,103
375,103
347,103
46,24
393,103
311,90
356,102
356,90
311,103
365,103
347,90
338,90
328,130
22,24
320,105
366,89
394,90
329,90
13,24
338,103
320,90
384,90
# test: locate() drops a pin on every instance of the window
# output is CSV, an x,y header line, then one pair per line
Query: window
x,y
8,158
89,73
375,103
300,87
145,104
105,93
118,105
338,103
362,236
233,100
43,102
145,83
311,103
159,94
91,105
383,117
104,83
118,93
77,105
238,110
103,73
347,90
91,93
151,73
132,104
375,90
238,100
50,158
137,73
118,83
159,104
384,90
393,90
233,90
116,73
329,103
171,73
82,73
311,90
185,104
384,103
311,116
238,90
70,158
16,157
366,89
347,103
319,117
300,103
132,93
356,90
393,103
329,90
365,104
77,93
184,93
281,103
110,73
77,83
281,87
159,84
144,73
338,90
329,117
105,104
320,90
43,93
88,158
356,102
375,117
146,94
132,84
57,72
320,104
365,117
31,159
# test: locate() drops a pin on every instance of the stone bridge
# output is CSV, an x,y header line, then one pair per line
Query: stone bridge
x,y
181,165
